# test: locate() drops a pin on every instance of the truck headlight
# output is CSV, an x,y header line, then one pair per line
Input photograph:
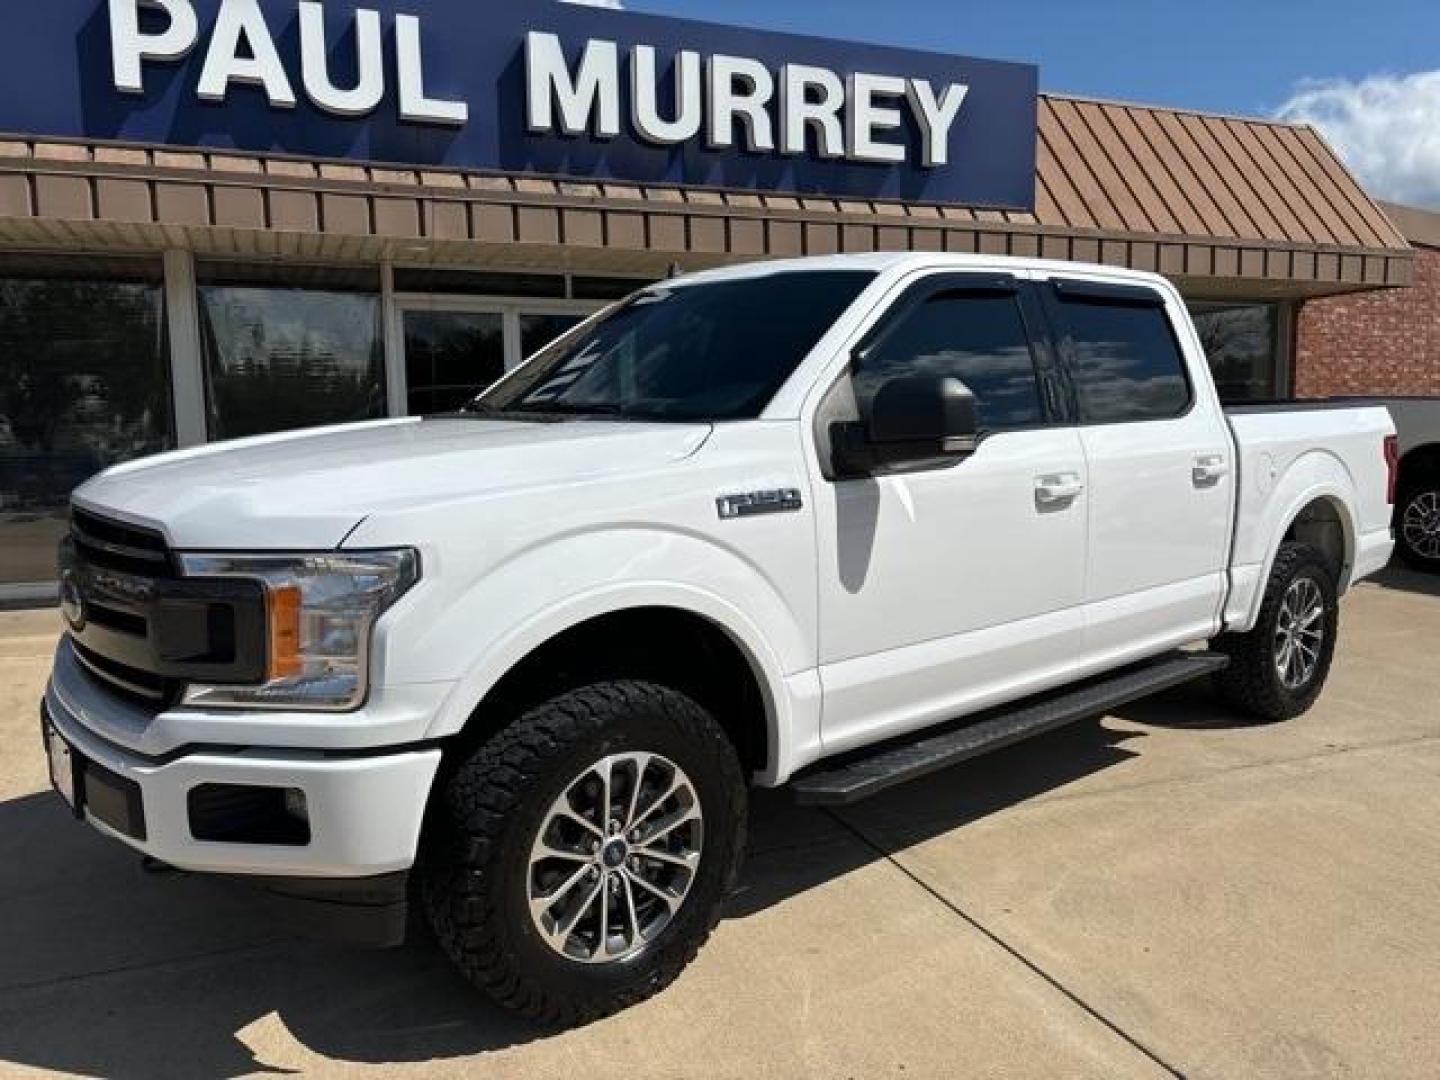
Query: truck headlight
x,y
320,611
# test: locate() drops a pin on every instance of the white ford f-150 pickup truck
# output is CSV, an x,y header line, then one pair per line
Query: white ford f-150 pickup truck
x,y
834,523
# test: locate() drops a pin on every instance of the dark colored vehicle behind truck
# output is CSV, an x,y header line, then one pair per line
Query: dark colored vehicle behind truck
x,y
1417,503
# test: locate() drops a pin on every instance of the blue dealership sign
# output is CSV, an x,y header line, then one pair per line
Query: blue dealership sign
x,y
541,87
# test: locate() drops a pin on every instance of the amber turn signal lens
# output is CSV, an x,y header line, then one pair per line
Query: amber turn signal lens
x,y
282,605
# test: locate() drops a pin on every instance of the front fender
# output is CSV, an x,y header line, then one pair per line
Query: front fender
x,y
561,583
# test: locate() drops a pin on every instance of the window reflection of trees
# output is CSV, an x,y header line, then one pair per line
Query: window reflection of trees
x,y
1241,342
281,359
82,367
83,384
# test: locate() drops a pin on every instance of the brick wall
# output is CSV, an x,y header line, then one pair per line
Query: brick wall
x,y
1382,343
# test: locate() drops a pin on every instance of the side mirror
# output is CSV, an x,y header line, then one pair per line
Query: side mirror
x,y
917,421
920,417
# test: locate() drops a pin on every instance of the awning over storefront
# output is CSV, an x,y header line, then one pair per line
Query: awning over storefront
x,y
1229,206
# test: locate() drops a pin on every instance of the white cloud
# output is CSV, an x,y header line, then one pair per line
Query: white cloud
x,y
615,4
1386,127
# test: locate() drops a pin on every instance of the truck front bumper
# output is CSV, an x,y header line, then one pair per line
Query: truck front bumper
x,y
329,829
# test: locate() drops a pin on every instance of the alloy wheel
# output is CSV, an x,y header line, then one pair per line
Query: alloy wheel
x,y
1421,524
1300,633
615,858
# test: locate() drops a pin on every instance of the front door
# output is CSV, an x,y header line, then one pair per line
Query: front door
x,y
949,589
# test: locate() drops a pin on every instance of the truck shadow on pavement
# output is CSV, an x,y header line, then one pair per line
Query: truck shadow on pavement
x,y
105,970
1399,577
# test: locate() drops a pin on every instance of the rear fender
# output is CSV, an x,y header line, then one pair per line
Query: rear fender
x,y
1314,476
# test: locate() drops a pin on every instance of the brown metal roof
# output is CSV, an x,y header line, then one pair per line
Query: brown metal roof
x,y
1421,227
1225,205
1141,169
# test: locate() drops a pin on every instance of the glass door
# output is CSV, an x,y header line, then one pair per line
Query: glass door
x,y
449,357
456,346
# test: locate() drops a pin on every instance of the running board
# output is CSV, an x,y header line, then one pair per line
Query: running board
x,y
895,764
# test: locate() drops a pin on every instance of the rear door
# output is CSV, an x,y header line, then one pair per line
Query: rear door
x,y
1161,474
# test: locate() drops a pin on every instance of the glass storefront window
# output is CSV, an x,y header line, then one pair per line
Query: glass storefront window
x,y
450,356
281,356
84,383
1243,344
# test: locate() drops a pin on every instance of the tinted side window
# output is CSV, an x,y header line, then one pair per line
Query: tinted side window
x,y
979,339
1127,362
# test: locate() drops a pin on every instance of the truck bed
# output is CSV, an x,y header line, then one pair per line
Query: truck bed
x,y
1417,417
1292,453
1289,405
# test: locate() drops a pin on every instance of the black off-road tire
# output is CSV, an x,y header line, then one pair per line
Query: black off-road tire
x,y
475,866
1252,682
1409,496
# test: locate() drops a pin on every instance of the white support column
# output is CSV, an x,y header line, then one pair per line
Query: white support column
x,y
187,376
514,348
394,331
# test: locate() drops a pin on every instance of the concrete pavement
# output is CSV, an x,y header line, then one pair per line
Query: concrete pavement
x,y
1161,893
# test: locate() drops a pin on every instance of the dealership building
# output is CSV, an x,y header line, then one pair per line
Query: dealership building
x,y
221,218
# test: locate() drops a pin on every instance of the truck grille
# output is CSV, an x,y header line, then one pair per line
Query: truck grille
x,y
140,686
144,631
116,545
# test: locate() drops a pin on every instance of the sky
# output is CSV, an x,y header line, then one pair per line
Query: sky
x,y
1366,73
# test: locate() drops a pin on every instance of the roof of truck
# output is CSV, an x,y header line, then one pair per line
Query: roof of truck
x,y
900,261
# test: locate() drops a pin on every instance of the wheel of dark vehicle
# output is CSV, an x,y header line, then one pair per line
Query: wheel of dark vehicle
x,y
1278,669
581,856
1417,527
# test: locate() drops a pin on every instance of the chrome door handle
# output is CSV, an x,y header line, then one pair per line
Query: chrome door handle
x,y
1058,489
1209,470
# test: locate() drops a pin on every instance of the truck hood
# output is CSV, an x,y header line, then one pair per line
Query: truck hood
x,y
308,490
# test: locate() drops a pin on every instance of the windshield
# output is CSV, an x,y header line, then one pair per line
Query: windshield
x,y
716,351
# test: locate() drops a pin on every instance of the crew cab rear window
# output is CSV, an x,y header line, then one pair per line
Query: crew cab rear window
x,y
976,337
1126,362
